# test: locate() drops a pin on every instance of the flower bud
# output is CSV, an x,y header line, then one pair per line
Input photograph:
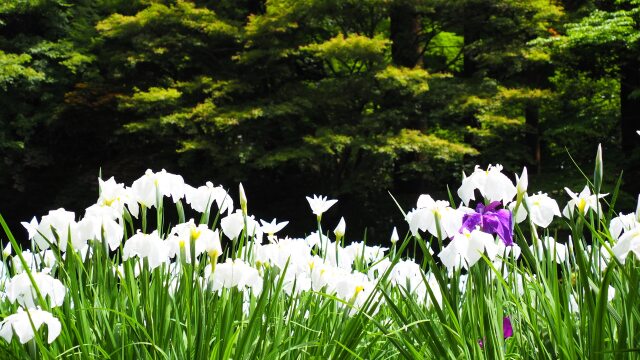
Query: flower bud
x,y
522,183
394,236
243,200
6,252
598,171
340,229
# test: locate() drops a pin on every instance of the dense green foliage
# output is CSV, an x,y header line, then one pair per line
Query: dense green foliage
x,y
350,98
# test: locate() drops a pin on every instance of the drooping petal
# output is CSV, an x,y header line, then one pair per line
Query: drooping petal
x,y
450,256
520,214
471,221
232,225
628,242
505,231
466,190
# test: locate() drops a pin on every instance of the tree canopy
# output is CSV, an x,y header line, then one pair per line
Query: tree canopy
x,y
293,97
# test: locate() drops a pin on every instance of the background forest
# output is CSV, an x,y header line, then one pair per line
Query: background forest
x,y
347,98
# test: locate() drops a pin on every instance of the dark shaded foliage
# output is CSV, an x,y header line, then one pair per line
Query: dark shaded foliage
x,y
346,98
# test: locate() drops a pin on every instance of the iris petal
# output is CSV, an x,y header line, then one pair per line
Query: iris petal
x,y
490,221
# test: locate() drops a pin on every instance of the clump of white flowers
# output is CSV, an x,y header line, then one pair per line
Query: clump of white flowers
x,y
21,322
149,247
22,290
228,255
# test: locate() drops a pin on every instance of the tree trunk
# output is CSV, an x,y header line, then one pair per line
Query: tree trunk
x,y
256,7
630,121
630,105
571,6
405,30
532,121
471,34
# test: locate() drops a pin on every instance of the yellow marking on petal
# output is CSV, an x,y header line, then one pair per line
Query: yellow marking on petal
x,y
359,289
581,205
195,233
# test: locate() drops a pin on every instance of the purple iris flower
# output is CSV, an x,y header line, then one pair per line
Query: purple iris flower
x,y
491,221
507,330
